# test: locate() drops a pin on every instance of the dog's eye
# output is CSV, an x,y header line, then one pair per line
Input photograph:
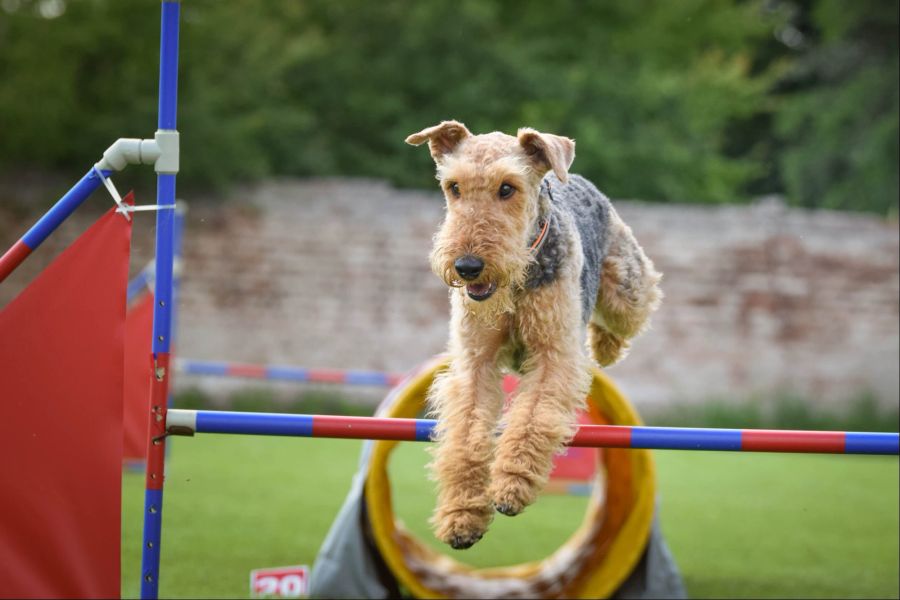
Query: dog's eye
x,y
454,189
506,191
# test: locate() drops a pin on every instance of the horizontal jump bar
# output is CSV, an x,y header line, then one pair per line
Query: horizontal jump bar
x,y
188,422
287,373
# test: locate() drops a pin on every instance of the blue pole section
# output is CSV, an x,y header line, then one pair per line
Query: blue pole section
x,y
74,198
35,236
168,65
165,258
177,236
162,314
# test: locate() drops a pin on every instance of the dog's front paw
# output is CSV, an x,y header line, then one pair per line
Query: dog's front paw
x,y
462,528
512,493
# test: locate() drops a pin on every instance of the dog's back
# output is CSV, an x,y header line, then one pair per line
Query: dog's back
x,y
619,283
579,204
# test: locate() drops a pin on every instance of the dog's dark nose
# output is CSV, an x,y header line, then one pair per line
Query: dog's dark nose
x,y
469,267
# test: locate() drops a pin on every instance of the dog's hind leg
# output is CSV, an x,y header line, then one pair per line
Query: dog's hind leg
x,y
629,293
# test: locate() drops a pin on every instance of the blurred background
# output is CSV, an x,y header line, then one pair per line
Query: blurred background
x,y
751,145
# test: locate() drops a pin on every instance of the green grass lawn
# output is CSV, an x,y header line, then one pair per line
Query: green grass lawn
x,y
739,525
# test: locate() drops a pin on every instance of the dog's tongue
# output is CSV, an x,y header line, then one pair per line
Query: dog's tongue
x,y
478,289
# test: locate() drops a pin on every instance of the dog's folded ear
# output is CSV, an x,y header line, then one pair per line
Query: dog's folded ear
x,y
442,139
548,151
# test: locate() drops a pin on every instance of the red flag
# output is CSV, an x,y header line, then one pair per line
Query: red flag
x,y
138,330
61,379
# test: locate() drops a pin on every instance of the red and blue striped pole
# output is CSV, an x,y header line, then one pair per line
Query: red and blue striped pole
x,y
286,373
48,223
188,422
162,314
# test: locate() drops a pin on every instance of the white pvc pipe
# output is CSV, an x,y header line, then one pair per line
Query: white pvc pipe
x,y
177,417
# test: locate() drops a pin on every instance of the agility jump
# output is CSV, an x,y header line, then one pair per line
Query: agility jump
x,y
83,510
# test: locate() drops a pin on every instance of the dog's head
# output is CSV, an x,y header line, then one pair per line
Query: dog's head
x,y
492,186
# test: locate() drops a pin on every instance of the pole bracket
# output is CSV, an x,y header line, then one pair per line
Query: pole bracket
x,y
162,152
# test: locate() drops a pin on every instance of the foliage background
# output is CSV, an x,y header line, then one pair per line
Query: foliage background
x,y
698,100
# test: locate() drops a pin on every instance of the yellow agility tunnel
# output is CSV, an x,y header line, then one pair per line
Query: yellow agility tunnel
x,y
617,551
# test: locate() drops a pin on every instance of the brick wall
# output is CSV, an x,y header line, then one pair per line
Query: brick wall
x,y
333,273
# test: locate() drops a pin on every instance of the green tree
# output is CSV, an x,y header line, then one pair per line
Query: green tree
x,y
838,117
694,100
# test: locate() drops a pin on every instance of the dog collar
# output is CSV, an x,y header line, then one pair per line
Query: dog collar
x,y
542,236
545,224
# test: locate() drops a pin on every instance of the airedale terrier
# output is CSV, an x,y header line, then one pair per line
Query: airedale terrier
x,y
541,269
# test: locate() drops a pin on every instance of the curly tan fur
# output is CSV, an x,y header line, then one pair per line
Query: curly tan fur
x,y
629,294
536,326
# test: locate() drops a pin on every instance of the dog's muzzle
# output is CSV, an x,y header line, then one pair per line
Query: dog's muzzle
x,y
469,267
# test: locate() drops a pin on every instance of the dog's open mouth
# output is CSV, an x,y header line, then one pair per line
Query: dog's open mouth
x,y
480,291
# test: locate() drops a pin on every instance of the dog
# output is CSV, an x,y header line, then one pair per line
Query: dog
x,y
544,277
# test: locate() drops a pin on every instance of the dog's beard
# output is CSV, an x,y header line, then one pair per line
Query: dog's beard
x,y
507,280
489,311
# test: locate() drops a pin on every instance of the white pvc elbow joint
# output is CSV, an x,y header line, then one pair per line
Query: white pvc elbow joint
x,y
162,151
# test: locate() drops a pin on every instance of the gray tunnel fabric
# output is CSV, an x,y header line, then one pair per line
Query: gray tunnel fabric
x,y
348,564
